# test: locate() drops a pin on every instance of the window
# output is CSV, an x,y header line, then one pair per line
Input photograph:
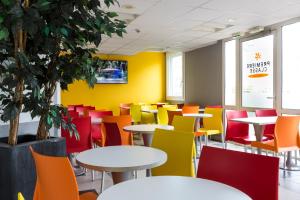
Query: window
x,y
175,76
257,72
230,73
291,66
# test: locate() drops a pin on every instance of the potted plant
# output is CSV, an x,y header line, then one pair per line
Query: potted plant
x,y
42,43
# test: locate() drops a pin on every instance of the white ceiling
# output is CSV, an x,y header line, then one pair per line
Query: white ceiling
x,y
183,25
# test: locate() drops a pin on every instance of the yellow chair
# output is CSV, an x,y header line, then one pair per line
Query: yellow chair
x,y
186,124
179,153
20,196
170,107
148,118
162,116
211,125
136,113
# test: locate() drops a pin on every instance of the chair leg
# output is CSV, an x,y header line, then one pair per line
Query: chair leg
x,y
195,166
135,174
102,182
225,145
200,144
196,143
223,140
245,148
206,140
296,159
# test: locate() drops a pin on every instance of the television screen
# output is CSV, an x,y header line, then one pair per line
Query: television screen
x,y
113,71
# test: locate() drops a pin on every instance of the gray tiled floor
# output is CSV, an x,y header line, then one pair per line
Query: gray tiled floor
x,y
289,188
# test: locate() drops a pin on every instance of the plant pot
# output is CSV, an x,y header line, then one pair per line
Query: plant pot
x,y
17,167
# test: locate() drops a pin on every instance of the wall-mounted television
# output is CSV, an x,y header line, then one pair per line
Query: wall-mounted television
x,y
112,71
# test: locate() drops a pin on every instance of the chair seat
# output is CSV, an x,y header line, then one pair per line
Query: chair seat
x,y
246,139
88,196
203,131
269,145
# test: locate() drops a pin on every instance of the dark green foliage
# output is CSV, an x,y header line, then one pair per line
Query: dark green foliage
x,y
58,36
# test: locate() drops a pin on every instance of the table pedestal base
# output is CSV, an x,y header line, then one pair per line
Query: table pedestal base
x,y
119,177
147,138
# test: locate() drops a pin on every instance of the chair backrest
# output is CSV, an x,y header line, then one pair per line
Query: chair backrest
x,y
73,107
136,113
125,108
121,121
180,105
73,113
236,129
287,132
171,114
100,113
269,129
112,134
214,122
181,123
55,178
162,116
186,109
170,107
83,126
148,118
255,175
179,147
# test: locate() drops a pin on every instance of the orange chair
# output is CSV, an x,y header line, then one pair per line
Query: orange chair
x,y
187,109
125,108
286,136
171,114
121,121
56,179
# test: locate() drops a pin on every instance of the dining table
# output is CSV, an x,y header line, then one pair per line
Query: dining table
x,y
122,161
172,187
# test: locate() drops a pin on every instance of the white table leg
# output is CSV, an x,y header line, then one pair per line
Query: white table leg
x,y
119,177
147,139
259,132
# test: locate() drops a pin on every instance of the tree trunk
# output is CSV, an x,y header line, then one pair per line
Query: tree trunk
x,y
42,132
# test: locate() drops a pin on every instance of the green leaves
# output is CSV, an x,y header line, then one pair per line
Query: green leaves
x,y
6,2
3,33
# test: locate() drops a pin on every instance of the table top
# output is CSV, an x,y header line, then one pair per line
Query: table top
x,y
197,115
200,109
155,111
172,187
121,158
256,120
146,128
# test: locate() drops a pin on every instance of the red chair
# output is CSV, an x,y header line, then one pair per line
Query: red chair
x,y
269,129
84,110
236,131
73,107
255,175
96,128
113,136
73,113
83,126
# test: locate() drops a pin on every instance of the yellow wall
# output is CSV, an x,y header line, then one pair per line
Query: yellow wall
x,y
146,83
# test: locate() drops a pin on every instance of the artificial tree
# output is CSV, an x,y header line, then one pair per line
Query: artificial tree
x,y
45,42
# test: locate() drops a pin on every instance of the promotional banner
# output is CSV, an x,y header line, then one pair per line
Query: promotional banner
x,y
257,70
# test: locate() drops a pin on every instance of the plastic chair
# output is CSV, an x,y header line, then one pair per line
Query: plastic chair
x,y
236,131
125,108
211,125
255,175
96,128
286,136
83,126
148,118
170,107
72,114
73,107
171,114
56,179
269,129
20,196
190,109
136,113
162,116
121,121
179,152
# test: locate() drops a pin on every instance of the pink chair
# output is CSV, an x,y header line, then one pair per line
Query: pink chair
x,y
255,175
236,131
96,128
83,126
269,129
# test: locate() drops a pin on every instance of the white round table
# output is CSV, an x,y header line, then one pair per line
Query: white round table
x,y
147,131
121,160
174,188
